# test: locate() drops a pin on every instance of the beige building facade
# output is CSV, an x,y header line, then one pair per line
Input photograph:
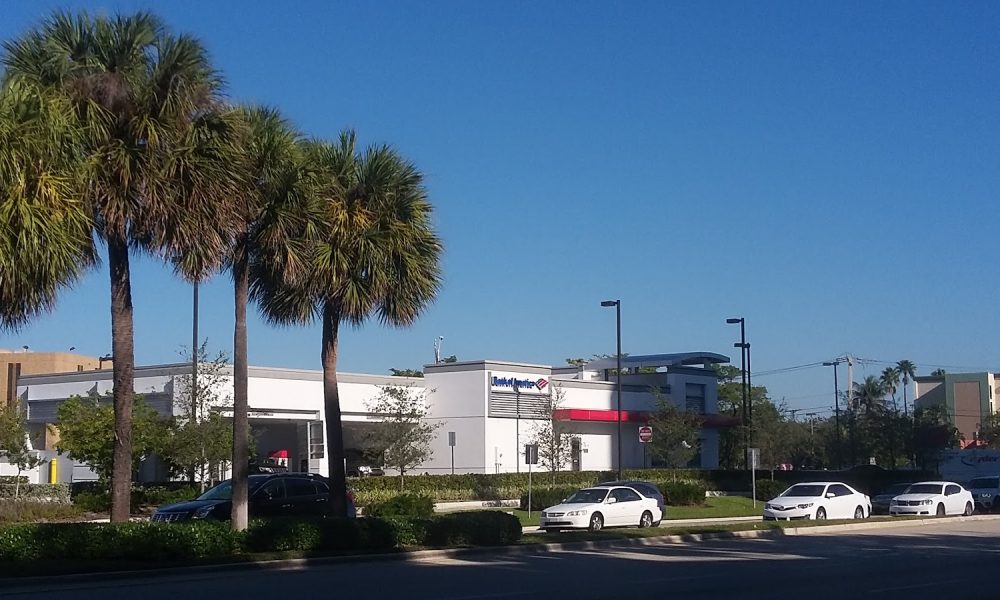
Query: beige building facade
x,y
14,364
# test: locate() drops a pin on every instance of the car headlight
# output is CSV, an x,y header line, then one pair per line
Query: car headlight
x,y
768,507
576,513
986,495
894,502
807,505
928,501
202,512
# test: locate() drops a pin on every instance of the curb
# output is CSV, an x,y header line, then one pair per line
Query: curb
x,y
419,555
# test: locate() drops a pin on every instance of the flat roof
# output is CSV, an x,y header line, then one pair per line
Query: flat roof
x,y
659,360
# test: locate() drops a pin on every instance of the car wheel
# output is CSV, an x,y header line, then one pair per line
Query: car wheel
x,y
859,513
940,510
968,509
646,520
821,514
596,522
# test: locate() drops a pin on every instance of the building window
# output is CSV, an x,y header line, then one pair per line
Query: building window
x,y
695,398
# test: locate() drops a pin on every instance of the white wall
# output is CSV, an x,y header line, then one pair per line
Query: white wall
x,y
456,401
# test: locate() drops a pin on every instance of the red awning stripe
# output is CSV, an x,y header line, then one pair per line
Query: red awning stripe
x,y
611,416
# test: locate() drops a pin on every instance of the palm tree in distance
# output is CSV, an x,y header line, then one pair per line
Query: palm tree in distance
x,y
372,252
938,373
142,98
907,370
44,227
869,394
889,381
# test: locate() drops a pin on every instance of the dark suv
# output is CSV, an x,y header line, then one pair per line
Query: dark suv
x,y
645,489
271,495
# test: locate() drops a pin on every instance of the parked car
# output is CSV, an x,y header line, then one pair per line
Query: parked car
x,y
880,502
819,500
647,490
933,498
985,491
271,495
598,507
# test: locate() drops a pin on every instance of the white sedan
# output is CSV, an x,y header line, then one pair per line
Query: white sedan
x,y
938,498
596,508
819,500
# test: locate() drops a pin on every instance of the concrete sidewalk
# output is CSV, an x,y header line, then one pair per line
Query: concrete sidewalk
x,y
667,523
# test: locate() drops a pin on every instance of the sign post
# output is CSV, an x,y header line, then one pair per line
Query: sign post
x,y
645,437
753,462
451,442
530,457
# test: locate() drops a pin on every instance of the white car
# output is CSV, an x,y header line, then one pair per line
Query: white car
x,y
600,507
938,498
819,500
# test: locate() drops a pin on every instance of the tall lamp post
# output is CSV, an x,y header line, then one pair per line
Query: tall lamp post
x,y
836,407
618,329
744,348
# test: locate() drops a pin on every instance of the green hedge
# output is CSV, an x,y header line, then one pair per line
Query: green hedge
x,y
97,499
48,492
403,505
681,493
767,489
31,511
155,542
13,479
542,498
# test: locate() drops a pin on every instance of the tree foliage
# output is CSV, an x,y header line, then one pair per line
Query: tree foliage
x,y
555,445
402,435
406,373
14,443
675,433
87,432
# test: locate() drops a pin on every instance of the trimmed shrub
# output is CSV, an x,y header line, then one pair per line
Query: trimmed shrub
x,y
683,493
98,499
403,505
542,498
13,479
473,528
43,492
328,535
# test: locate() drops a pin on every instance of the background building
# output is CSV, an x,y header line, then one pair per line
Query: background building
x,y
968,398
13,364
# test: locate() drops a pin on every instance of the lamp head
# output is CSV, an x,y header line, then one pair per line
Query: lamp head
x,y
609,303
735,320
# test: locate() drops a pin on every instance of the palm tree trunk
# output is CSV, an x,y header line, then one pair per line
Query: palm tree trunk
x,y
241,424
123,373
905,410
331,403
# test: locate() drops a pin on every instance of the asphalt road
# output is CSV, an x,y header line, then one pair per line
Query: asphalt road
x,y
949,559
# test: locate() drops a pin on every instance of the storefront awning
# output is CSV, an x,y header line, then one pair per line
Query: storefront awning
x,y
632,416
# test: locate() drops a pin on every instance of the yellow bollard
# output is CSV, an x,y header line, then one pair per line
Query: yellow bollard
x,y
53,471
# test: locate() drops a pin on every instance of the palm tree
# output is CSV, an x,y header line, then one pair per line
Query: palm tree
x,y
907,370
143,99
373,253
938,373
869,394
44,227
889,381
270,233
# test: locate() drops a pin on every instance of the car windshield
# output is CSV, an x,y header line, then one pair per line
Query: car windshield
x,y
895,490
592,496
985,482
223,491
924,488
804,490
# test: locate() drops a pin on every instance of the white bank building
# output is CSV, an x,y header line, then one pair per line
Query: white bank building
x,y
489,409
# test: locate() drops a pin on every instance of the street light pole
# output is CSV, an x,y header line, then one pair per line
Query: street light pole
x,y
836,407
618,331
742,345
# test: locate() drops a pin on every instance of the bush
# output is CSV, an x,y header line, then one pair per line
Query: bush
x,y
403,505
28,511
43,492
96,498
542,498
473,528
767,489
134,541
328,535
13,479
682,493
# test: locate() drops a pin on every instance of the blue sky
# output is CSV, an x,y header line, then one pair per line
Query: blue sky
x,y
826,170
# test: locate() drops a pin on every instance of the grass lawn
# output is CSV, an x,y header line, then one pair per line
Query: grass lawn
x,y
723,506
